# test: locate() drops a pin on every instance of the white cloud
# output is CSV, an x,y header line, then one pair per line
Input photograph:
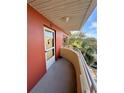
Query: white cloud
x,y
93,25
91,33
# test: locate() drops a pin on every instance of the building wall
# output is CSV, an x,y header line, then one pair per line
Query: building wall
x,y
36,66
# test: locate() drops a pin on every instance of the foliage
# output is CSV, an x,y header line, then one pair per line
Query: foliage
x,y
76,39
87,45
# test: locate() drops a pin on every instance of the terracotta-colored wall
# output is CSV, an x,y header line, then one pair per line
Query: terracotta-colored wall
x,y
36,66
59,42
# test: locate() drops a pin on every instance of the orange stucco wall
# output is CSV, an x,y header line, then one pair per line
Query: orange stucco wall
x,y
36,66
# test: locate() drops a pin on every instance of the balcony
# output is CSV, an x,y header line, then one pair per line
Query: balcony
x,y
70,74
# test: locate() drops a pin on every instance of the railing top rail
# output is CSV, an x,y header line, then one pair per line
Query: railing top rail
x,y
88,84
87,72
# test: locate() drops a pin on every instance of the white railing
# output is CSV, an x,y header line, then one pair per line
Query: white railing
x,y
90,84
85,81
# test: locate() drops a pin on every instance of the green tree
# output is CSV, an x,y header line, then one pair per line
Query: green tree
x,y
76,39
89,49
87,45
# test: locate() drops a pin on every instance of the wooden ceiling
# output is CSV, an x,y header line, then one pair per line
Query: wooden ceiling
x,y
57,10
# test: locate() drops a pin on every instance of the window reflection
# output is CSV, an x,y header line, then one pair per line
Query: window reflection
x,y
49,40
50,54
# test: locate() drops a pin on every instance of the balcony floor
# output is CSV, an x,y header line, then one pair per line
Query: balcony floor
x,y
60,78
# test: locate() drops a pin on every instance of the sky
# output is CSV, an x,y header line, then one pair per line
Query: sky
x,y
90,27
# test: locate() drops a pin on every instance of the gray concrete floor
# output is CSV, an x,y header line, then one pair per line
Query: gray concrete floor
x,y
60,78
